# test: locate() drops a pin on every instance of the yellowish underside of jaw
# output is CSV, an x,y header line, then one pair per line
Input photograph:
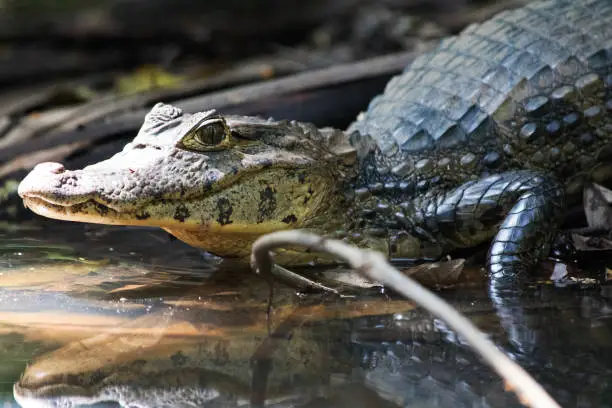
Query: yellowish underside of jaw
x,y
232,242
90,212
233,239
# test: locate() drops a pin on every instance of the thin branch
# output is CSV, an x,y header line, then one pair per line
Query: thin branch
x,y
299,282
375,266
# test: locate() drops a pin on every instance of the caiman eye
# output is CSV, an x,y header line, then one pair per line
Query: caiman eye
x,y
210,136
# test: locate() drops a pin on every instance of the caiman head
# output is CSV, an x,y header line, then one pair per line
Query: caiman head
x,y
212,181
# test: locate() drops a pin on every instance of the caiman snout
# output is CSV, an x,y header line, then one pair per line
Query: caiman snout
x,y
51,182
41,178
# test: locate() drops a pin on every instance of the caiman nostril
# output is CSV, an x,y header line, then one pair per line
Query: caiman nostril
x,y
56,168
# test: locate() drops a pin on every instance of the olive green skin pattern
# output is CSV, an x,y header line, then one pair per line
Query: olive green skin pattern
x,y
493,133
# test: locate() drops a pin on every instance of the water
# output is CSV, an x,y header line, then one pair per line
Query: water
x,y
118,316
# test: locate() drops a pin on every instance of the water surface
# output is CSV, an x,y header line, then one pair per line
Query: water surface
x,y
126,316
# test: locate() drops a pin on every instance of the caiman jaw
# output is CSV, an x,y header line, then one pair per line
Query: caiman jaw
x,y
51,191
220,222
87,211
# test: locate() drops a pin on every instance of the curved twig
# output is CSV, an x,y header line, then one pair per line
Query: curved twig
x,y
375,266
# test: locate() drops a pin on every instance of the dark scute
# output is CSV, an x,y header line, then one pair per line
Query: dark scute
x,y
537,106
492,159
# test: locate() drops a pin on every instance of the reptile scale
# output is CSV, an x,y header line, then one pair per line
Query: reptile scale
x,y
489,137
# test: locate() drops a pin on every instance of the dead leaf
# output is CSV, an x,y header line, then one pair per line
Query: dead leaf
x,y
443,273
597,206
591,243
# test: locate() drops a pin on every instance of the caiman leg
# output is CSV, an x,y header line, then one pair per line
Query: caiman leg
x,y
522,210
525,236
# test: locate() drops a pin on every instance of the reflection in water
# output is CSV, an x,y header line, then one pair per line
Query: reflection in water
x,y
320,355
149,328
208,350
315,354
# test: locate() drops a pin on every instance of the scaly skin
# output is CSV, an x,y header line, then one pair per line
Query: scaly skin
x,y
263,176
487,137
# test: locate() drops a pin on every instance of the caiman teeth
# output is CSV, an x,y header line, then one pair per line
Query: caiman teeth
x,y
59,203
31,200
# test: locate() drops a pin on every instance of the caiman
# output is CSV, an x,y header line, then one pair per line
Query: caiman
x,y
491,136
